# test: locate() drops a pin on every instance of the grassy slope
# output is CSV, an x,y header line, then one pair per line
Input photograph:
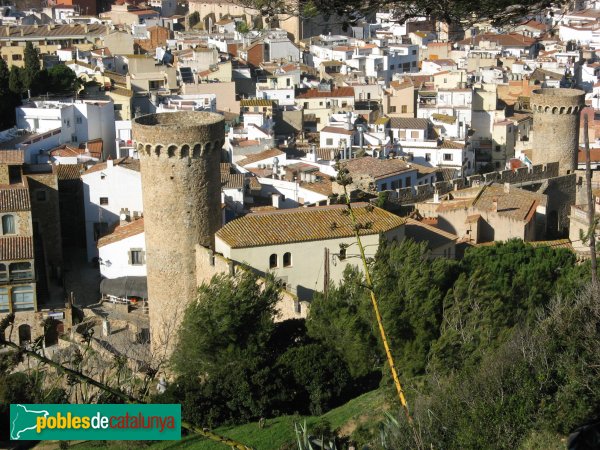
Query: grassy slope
x,y
281,430
276,432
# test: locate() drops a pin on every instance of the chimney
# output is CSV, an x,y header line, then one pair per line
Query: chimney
x,y
276,198
85,28
495,204
507,188
124,216
109,162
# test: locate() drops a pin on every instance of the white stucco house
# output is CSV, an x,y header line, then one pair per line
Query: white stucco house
x,y
110,190
122,253
299,246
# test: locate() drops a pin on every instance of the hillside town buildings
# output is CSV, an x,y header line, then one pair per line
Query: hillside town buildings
x,y
450,138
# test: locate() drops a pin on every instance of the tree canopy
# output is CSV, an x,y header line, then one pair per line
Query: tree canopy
x,y
457,12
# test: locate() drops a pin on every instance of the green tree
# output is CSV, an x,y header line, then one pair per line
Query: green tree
x,y
32,68
15,81
411,289
319,376
232,320
62,79
342,320
9,99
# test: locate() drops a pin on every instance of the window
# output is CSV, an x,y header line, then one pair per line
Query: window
x,y
104,200
22,298
272,261
447,156
118,107
287,259
329,141
3,272
136,257
391,67
404,109
21,271
392,109
73,138
427,156
305,105
498,148
414,52
40,195
288,82
17,57
8,224
342,253
408,182
413,64
384,186
414,134
402,134
3,300
78,120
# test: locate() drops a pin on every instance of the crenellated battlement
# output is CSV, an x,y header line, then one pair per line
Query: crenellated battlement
x,y
178,151
424,192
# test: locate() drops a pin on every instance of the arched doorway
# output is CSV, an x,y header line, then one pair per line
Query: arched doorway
x,y
24,334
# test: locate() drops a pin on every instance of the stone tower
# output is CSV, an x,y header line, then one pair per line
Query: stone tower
x,y
556,126
179,155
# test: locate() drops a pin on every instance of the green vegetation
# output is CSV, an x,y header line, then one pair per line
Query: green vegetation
x,y
17,81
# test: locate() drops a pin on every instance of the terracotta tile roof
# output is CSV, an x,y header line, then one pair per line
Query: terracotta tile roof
x,y
16,247
144,12
376,168
304,225
122,232
64,150
14,199
232,180
451,144
12,157
94,147
57,31
253,183
337,92
423,232
518,204
126,163
533,24
443,118
69,171
594,155
503,40
324,186
409,123
272,152
257,102
337,130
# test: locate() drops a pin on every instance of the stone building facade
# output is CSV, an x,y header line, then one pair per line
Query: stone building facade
x,y
556,126
180,155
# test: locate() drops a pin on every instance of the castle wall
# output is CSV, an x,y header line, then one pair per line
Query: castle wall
x,y
179,157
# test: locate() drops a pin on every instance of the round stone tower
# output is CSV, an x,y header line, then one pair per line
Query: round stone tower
x,y
556,126
179,155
